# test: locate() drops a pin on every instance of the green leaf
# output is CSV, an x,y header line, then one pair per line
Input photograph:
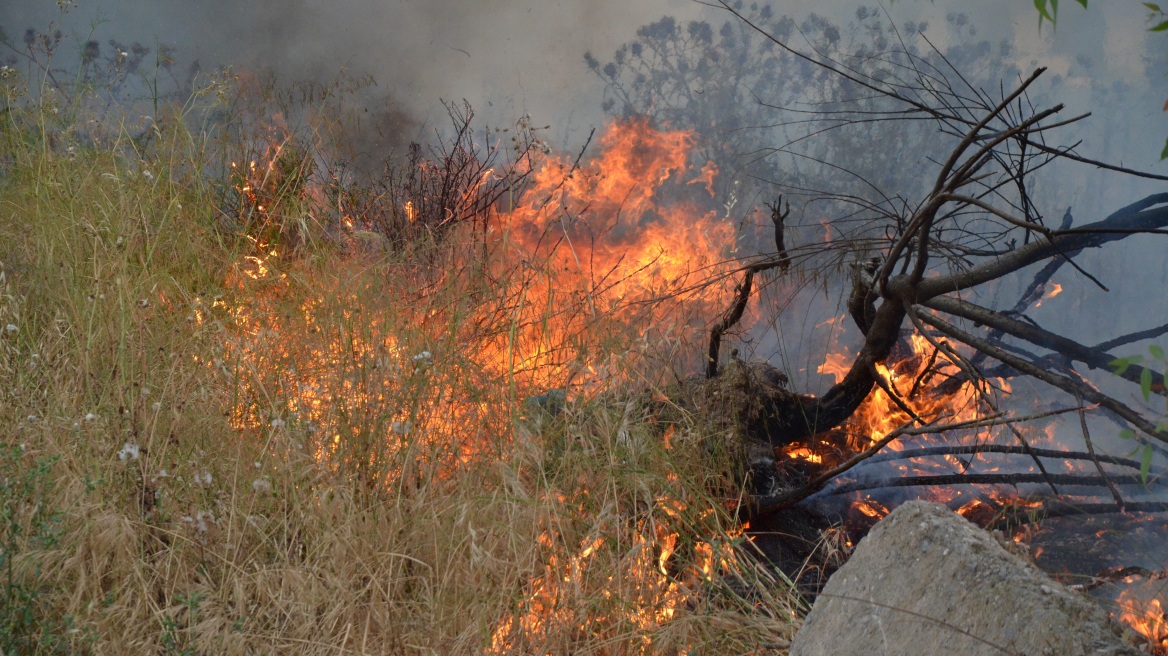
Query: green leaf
x,y
1043,12
1156,351
1082,2
1145,463
1120,365
1159,28
1164,153
1152,6
1146,383
1127,434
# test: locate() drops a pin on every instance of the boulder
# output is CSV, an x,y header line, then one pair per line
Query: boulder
x,y
925,581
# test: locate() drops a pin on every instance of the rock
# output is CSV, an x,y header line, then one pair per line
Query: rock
x,y
925,581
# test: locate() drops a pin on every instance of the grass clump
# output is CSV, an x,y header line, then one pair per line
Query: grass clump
x,y
249,432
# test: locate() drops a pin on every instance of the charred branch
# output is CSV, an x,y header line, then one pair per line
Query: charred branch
x,y
742,294
1070,480
1062,243
1070,385
1069,348
1056,508
1003,449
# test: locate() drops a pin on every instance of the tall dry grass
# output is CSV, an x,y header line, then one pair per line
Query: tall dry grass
x,y
220,446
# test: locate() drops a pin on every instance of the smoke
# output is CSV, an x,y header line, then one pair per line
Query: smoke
x,y
508,57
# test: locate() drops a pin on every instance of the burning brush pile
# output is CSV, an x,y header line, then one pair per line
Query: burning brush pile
x,y
263,401
281,408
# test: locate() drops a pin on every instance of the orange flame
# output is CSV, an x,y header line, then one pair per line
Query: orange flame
x,y
1145,617
1052,289
601,242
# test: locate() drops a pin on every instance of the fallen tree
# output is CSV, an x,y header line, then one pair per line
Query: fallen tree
x,y
976,225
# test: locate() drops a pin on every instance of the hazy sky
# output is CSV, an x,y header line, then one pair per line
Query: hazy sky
x,y
510,56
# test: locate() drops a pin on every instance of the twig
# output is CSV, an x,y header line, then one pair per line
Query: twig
x,y
978,479
1091,450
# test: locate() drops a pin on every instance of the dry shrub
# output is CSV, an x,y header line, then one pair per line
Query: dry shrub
x,y
255,452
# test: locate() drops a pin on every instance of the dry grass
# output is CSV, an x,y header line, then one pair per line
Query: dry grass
x,y
328,452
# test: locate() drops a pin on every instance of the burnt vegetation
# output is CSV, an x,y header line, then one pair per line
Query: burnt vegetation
x,y
814,114
811,137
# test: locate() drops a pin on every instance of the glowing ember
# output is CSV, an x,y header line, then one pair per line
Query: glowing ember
x,y
872,508
803,453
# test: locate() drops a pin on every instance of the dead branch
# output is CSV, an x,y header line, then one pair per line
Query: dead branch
x,y
1069,348
940,480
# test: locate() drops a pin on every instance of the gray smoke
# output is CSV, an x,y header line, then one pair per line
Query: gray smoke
x,y
510,57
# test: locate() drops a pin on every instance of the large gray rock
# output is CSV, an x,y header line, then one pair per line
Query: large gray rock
x,y
926,581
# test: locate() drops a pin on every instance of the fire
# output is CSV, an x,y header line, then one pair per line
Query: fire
x,y
1052,289
658,586
803,453
604,224
911,378
579,244
872,508
410,393
1145,617
836,364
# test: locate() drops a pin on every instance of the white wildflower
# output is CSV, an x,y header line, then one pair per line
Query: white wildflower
x,y
277,423
89,416
32,419
119,241
203,479
203,519
148,175
143,303
424,355
261,486
10,327
145,391
129,452
157,406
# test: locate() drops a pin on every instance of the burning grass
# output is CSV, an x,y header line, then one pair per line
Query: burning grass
x,y
227,446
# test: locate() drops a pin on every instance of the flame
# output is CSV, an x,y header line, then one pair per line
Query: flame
x,y
1051,290
582,247
911,378
803,453
836,364
1147,618
872,508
